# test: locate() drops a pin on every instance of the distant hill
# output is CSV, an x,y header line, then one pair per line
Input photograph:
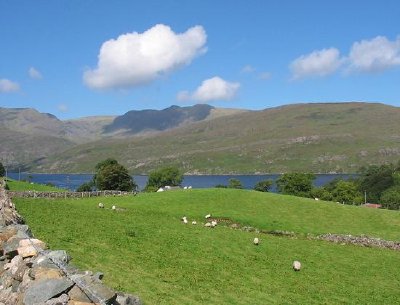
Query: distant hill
x,y
134,122
323,138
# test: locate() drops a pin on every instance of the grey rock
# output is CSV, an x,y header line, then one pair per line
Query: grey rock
x,y
96,290
127,299
43,290
61,300
76,294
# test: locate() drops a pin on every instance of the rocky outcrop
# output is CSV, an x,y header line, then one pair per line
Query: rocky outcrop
x,y
30,274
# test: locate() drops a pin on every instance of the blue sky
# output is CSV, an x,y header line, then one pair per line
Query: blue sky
x,y
79,58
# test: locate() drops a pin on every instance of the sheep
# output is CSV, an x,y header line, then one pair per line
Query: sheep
x,y
207,216
194,222
114,208
208,224
184,219
296,266
256,241
214,223
101,205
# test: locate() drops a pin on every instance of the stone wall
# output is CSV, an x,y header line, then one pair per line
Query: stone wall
x,y
30,274
36,194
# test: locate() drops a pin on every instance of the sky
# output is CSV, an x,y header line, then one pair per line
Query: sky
x,y
76,58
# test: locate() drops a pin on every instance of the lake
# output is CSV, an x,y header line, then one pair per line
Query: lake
x,y
73,181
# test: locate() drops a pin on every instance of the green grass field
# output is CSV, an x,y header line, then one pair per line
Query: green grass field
x,y
146,250
15,185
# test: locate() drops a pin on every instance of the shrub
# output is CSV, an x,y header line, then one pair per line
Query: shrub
x,y
235,184
263,186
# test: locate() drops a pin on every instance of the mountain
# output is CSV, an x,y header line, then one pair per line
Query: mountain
x,y
134,122
323,138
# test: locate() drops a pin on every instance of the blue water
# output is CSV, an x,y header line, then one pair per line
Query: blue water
x,y
73,181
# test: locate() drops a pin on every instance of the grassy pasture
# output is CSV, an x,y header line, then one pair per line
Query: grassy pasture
x,y
15,185
146,250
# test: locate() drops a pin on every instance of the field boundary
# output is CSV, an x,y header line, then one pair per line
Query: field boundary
x,y
41,194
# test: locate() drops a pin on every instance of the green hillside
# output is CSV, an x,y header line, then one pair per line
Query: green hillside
x,y
322,138
145,249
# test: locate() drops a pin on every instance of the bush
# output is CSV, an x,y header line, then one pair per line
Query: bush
x,y
85,187
391,198
297,184
221,186
235,184
166,176
263,186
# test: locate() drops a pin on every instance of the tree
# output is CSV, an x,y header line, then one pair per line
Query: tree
x,y
297,184
110,175
376,179
165,176
264,185
235,184
346,192
85,187
391,198
2,170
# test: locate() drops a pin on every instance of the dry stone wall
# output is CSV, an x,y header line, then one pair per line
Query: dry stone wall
x,y
31,274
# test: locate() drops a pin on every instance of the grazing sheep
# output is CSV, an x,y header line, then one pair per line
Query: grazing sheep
x,y
256,241
185,187
189,187
114,208
316,199
208,224
184,219
101,206
214,223
207,216
296,266
194,222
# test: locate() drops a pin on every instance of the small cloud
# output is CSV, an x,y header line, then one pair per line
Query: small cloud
x,y
375,55
248,69
135,59
7,86
62,108
264,75
212,89
34,74
318,63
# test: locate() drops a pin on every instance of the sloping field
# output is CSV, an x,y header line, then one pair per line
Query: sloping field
x,y
145,249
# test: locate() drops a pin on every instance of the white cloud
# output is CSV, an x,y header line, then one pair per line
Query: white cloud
x,y
212,89
374,55
264,75
317,63
248,69
34,74
137,58
7,86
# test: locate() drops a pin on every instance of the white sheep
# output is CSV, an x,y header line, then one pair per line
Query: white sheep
x,y
296,266
194,222
101,205
208,224
207,216
214,223
114,208
184,219
256,241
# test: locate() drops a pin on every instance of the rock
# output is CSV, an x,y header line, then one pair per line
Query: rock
x,y
73,302
47,258
208,224
76,294
61,300
41,273
43,290
296,266
127,299
10,247
96,290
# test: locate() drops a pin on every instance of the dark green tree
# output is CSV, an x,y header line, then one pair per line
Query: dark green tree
x,y
235,184
2,170
264,185
85,187
376,179
110,175
165,176
297,184
346,192
390,198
